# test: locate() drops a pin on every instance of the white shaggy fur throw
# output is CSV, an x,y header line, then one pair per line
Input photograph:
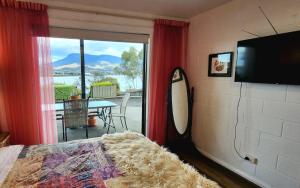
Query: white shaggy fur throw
x,y
146,164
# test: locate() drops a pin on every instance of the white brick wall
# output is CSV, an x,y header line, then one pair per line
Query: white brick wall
x,y
289,167
269,115
264,123
279,145
276,179
293,94
286,111
291,131
267,92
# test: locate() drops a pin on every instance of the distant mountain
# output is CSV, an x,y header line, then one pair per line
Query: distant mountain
x,y
71,63
89,59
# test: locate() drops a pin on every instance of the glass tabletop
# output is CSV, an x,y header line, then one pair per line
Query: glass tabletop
x,y
92,104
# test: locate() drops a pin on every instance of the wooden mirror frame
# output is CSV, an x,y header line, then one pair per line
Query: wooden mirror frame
x,y
170,106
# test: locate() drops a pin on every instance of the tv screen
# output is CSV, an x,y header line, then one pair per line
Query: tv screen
x,y
273,59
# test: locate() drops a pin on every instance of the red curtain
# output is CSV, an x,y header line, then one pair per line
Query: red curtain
x,y
169,51
26,82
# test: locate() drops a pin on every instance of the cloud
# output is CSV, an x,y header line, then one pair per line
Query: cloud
x,y
112,51
109,47
103,65
61,47
70,66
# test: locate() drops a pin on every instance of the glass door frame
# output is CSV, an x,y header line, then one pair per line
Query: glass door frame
x,y
82,64
144,92
144,95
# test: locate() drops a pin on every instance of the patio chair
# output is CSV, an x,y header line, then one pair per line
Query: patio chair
x,y
75,115
122,114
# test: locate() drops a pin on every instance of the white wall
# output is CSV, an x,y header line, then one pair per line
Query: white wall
x,y
269,126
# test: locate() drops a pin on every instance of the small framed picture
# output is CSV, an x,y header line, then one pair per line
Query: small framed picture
x,y
220,65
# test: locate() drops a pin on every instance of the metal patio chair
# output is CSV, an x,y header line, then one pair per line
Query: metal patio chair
x,y
122,114
75,115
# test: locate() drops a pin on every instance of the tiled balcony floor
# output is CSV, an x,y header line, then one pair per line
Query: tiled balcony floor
x,y
133,117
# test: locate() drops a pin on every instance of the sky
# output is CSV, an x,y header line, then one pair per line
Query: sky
x,y
61,47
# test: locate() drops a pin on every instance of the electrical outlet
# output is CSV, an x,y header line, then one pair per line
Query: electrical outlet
x,y
251,159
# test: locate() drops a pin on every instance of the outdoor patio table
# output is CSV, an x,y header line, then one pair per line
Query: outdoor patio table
x,y
103,111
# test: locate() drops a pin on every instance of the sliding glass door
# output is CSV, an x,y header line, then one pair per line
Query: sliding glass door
x,y
103,70
66,67
113,69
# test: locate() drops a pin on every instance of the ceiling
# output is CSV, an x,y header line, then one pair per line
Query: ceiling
x,y
170,8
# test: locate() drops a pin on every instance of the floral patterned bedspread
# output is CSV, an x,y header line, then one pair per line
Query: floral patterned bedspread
x,y
72,164
120,160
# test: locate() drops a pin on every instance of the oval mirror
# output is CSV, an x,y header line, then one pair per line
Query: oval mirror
x,y
180,101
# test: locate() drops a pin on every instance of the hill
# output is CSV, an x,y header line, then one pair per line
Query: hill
x,y
71,63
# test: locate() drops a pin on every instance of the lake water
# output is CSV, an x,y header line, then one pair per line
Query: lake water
x,y
123,81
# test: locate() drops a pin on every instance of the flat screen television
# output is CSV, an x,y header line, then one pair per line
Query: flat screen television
x,y
272,59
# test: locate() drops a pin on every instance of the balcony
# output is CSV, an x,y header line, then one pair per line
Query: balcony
x,y
133,118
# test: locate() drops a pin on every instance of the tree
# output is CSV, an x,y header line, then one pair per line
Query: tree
x,y
131,66
97,75
141,59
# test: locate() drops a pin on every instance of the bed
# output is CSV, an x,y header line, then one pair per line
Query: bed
x,y
115,160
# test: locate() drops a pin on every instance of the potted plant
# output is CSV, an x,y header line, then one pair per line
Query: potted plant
x,y
92,121
75,94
